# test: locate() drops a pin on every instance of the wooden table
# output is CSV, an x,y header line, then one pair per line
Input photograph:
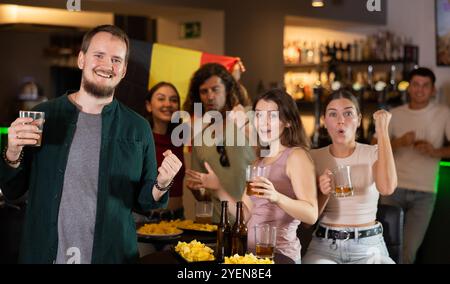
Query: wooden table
x,y
165,253
170,257
208,238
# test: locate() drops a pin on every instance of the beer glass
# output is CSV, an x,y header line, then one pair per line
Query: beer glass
x,y
203,212
265,240
251,172
342,182
38,120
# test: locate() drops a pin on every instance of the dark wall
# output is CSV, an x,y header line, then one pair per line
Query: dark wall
x,y
132,90
21,56
347,10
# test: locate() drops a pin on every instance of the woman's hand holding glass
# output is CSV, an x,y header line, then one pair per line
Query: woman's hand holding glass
x,y
265,189
325,181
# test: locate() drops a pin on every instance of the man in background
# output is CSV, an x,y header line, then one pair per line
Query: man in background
x,y
417,130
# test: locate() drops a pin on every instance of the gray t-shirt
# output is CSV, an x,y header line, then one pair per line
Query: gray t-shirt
x,y
77,210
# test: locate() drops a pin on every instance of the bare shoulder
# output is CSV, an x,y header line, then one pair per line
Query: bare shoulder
x,y
299,155
299,164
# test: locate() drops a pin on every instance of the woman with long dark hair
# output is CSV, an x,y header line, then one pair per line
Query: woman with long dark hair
x,y
288,195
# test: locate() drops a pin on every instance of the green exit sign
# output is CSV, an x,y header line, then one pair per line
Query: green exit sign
x,y
191,30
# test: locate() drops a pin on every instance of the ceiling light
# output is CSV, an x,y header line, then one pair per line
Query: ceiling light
x,y
317,3
18,14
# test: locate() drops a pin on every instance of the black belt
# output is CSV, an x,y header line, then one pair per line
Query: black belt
x,y
345,235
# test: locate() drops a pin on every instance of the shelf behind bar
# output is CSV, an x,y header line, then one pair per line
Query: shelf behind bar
x,y
365,62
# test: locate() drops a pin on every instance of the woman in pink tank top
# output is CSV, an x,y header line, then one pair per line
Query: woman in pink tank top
x,y
289,195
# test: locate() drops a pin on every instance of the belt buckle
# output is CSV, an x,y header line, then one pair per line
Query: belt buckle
x,y
348,235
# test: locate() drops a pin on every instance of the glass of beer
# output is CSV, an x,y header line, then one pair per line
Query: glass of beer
x,y
265,240
38,120
203,212
342,182
251,173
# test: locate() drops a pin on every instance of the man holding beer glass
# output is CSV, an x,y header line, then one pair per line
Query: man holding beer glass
x,y
96,163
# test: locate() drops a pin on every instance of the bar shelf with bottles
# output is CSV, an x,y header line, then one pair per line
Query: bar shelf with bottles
x,y
382,47
374,69
309,64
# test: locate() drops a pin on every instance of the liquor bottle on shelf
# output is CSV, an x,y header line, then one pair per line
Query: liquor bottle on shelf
x,y
391,92
327,52
316,56
348,82
360,45
322,53
223,242
347,51
320,137
239,232
358,90
366,49
339,52
380,90
353,51
291,54
403,90
333,50
304,54
369,87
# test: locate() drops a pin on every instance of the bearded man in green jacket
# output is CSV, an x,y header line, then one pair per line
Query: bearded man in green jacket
x,y
96,163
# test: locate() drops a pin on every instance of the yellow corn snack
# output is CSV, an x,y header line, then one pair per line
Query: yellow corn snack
x,y
247,259
172,227
194,251
162,228
190,225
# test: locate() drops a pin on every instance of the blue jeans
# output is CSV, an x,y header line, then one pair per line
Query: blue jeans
x,y
418,207
369,250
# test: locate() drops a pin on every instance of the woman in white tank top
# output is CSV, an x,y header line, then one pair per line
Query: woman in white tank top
x,y
347,231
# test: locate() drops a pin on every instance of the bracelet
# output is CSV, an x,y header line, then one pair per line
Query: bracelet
x,y
164,188
5,158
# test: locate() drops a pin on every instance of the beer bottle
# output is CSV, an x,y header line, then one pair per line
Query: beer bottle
x,y
239,232
223,243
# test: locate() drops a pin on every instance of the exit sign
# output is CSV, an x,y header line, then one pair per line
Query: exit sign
x,y
191,30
